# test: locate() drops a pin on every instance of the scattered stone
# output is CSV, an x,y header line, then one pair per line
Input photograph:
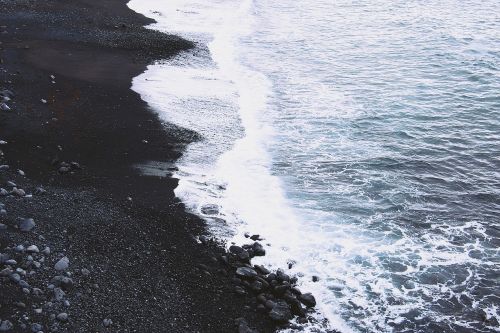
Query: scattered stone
x,y
35,328
63,316
26,225
46,251
4,107
107,322
40,191
21,172
62,264
4,167
18,191
63,170
3,192
255,237
44,101
246,272
32,249
6,326
62,281
315,278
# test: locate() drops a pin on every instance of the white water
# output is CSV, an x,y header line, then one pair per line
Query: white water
x,y
281,93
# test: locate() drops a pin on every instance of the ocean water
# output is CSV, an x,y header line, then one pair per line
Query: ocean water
x,y
361,139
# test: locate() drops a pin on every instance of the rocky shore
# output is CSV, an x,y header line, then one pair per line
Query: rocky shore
x,y
86,242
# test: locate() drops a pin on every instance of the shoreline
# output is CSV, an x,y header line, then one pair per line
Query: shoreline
x,y
73,138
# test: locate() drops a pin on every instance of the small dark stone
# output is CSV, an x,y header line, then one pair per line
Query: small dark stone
x,y
315,278
258,249
307,299
26,225
281,312
62,281
255,237
280,290
256,286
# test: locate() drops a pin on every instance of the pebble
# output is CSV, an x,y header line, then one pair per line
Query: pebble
x,y
3,192
4,107
6,326
107,322
246,272
85,272
21,172
62,264
18,191
63,316
4,167
19,248
36,327
46,251
32,249
26,225
44,101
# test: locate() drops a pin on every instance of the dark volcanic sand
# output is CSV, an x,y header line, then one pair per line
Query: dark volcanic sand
x,y
141,253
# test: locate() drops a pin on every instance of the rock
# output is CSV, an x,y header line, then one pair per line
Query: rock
x,y
63,170
62,264
75,165
11,184
63,316
307,299
32,249
14,277
107,322
59,294
3,226
26,225
35,328
7,93
255,237
18,191
3,258
246,272
280,312
3,192
46,251
281,276
40,191
85,272
4,107
6,326
24,284
62,281
261,269
19,248
44,101
4,167
21,172
315,278
243,326
258,249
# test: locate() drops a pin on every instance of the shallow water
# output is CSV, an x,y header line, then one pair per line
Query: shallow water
x,y
361,139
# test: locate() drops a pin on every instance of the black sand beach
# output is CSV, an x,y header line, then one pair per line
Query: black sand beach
x,y
134,260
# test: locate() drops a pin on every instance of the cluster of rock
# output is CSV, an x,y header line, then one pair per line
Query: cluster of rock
x,y
276,293
34,281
